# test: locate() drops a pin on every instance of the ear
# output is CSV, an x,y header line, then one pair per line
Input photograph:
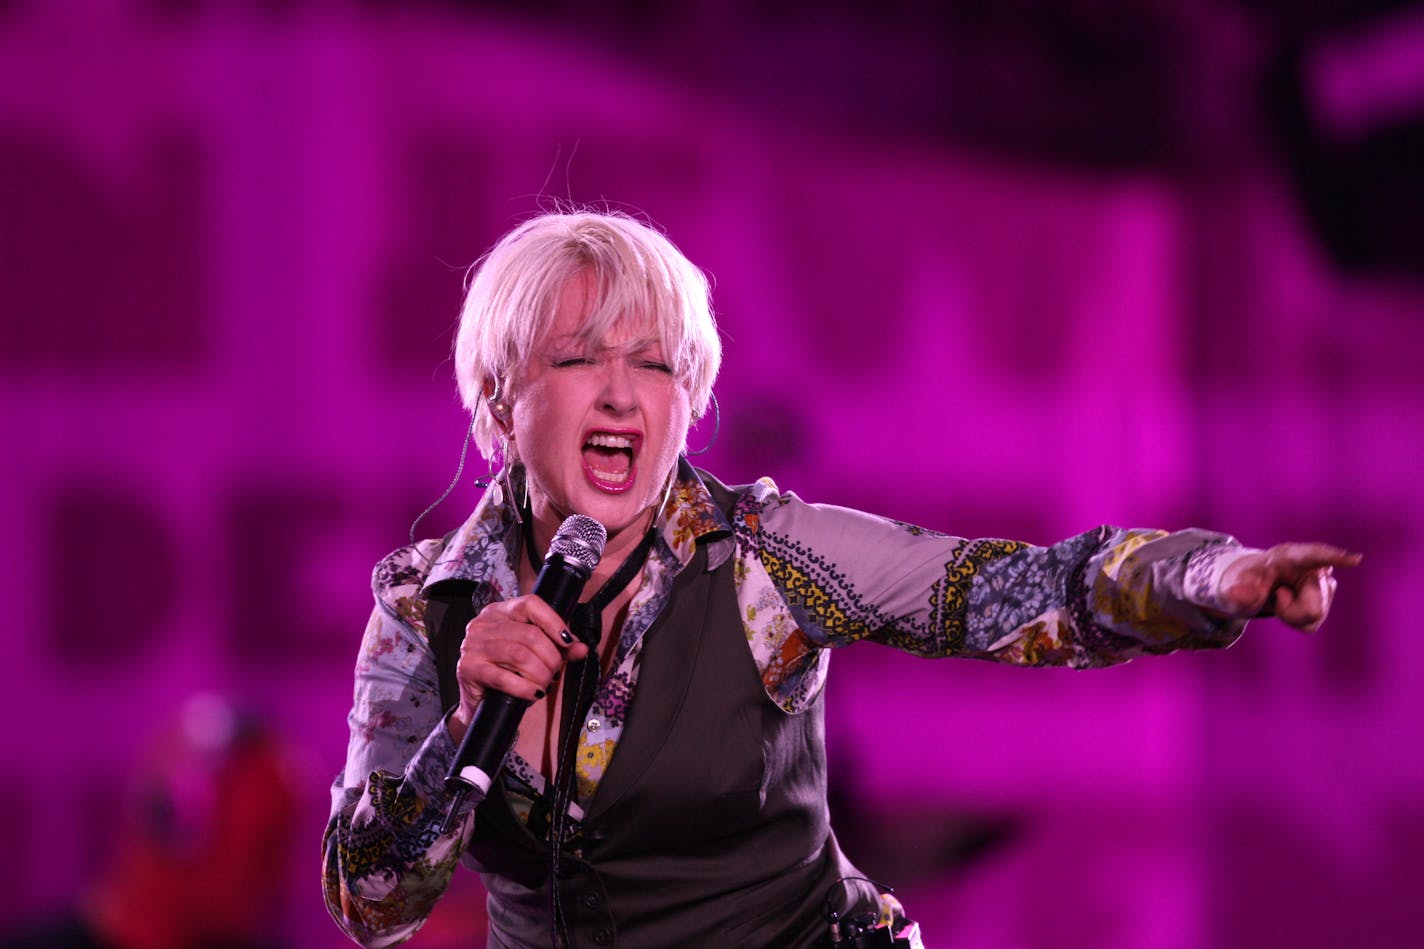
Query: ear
x,y
499,407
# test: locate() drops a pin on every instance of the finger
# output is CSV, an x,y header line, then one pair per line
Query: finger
x,y
1297,558
1327,594
1303,607
525,609
503,680
520,647
542,616
509,666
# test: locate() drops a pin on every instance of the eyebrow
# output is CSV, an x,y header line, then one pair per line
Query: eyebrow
x,y
573,341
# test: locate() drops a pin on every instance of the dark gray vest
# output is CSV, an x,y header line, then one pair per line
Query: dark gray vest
x,y
710,826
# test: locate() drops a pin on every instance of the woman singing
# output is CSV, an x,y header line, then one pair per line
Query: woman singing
x,y
667,786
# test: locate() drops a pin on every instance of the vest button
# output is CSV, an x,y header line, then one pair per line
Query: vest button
x,y
594,724
591,899
602,936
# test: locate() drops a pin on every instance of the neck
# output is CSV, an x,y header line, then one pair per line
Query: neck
x,y
620,544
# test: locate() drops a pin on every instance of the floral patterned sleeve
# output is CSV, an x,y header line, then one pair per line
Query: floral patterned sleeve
x,y
813,576
385,862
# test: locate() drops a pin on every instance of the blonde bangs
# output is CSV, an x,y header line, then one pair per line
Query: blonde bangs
x,y
644,289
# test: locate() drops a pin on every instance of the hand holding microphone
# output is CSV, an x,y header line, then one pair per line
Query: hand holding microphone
x,y
574,552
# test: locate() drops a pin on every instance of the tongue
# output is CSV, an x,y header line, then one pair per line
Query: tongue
x,y
611,460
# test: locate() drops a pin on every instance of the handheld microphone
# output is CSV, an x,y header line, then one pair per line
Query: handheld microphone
x,y
573,553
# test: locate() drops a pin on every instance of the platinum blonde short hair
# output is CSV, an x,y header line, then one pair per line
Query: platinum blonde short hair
x,y
639,276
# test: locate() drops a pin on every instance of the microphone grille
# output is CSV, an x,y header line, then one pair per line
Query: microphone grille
x,y
580,540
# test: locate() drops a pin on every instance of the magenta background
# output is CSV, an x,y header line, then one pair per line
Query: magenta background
x,y
231,252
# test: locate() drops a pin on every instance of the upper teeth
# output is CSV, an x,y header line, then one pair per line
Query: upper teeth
x,y
610,441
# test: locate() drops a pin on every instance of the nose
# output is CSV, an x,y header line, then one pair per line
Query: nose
x,y
619,397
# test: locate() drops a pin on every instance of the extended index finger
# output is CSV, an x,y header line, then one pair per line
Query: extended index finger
x,y
1312,556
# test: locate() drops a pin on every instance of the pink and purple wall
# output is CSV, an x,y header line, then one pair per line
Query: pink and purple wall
x,y
232,244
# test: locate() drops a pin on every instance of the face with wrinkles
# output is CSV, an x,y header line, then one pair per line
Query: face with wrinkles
x,y
597,426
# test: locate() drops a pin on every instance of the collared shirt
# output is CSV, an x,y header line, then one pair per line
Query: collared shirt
x,y
807,578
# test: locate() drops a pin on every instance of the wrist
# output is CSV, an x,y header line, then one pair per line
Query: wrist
x,y
458,721
1211,573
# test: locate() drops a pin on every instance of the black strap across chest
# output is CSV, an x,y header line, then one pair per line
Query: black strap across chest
x,y
450,607
581,678
580,686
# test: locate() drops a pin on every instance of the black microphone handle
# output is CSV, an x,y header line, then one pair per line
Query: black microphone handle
x,y
487,741
496,720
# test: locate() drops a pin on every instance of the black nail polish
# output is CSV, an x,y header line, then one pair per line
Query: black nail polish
x,y
538,693
567,637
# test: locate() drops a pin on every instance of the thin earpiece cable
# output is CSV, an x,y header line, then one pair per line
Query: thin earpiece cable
x,y
454,482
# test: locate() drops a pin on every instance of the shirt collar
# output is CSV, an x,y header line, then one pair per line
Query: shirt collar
x,y
484,549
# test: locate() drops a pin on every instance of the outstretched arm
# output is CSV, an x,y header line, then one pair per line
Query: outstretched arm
x,y
815,576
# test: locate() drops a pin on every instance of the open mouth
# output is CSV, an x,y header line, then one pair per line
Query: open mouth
x,y
608,460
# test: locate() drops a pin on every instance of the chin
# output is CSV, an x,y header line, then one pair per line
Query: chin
x,y
613,511
618,515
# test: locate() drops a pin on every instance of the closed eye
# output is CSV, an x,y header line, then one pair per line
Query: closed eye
x,y
656,366
572,361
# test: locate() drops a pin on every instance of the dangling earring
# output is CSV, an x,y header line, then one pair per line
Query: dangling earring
x,y
493,477
499,483
505,482
502,488
667,491
716,427
524,505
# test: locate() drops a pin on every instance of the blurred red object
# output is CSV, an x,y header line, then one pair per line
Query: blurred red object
x,y
200,857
